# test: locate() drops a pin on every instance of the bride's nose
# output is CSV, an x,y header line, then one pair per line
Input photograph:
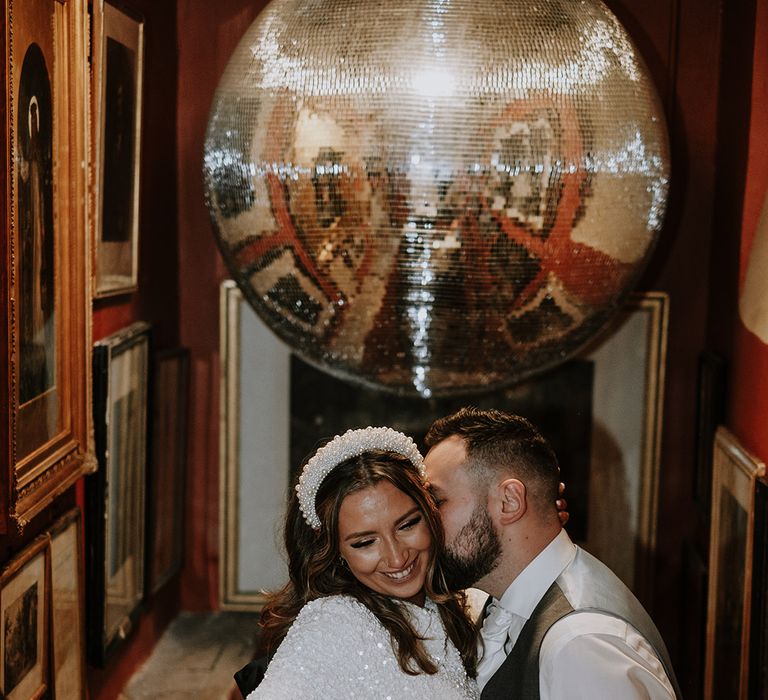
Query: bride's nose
x,y
396,555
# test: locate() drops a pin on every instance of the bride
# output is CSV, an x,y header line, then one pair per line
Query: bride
x,y
366,611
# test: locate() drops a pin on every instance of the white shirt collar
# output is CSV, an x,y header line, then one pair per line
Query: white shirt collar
x,y
525,592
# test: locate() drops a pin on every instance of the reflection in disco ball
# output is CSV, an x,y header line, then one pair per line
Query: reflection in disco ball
x,y
436,196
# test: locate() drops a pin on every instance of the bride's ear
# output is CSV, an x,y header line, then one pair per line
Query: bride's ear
x,y
514,502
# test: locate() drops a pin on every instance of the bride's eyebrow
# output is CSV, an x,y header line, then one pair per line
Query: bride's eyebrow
x,y
405,516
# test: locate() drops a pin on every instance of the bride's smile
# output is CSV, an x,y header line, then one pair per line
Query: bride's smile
x,y
402,575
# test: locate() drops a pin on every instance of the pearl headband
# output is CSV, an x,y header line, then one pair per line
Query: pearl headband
x,y
351,444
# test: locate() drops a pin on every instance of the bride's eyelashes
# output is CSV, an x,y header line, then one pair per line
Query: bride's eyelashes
x,y
413,522
407,525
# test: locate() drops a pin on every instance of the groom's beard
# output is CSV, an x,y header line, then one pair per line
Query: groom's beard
x,y
474,552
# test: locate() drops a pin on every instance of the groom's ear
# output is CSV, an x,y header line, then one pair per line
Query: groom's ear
x,y
513,501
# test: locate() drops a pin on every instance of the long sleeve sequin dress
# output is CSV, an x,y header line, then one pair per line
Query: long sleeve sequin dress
x,y
337,648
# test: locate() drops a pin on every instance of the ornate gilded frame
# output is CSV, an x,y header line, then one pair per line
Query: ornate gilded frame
x,y
47,387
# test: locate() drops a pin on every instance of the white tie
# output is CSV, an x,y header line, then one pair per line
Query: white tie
x,y
495,632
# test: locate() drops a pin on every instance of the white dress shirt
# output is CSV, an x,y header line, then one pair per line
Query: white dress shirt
x,y
585,654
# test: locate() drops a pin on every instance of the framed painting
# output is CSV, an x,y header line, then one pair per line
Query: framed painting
x,y
118,66
734,478
116,493
67,597
608,441
47,387
629,362
254,454
168,439
24,586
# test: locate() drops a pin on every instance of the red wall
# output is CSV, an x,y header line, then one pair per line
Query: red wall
x,y
748,411
208,33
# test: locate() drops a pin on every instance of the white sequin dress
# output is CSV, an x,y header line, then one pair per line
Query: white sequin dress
x,y
337,648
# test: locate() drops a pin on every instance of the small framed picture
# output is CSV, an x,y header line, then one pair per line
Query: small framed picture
x,y
24,585
45,285
118,65
116,493
67,596
734,479
168,436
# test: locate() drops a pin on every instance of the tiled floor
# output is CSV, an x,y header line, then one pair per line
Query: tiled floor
x,y
196,658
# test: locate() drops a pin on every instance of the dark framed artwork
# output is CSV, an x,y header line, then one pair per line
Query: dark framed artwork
x,y
67,612
710,412
24,623
116,493
167,465
118,66
47,389
735,471
608,441
758,645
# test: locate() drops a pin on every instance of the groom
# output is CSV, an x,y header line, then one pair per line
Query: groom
x,y
559,623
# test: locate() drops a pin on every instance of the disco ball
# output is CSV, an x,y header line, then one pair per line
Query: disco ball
x,y
436,196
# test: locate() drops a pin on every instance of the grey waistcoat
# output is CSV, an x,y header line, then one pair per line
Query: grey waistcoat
x,y
586,585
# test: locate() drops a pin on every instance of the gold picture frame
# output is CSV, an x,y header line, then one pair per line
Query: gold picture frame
x,y
734,477
24,623
251,553
49,314
117,75
67,611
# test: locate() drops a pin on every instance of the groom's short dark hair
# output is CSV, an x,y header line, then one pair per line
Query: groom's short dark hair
x,y
503,442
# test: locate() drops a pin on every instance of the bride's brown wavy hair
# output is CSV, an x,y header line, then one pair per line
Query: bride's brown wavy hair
x,y
315,569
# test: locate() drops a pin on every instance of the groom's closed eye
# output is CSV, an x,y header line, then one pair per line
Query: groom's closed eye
x,y
437,495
